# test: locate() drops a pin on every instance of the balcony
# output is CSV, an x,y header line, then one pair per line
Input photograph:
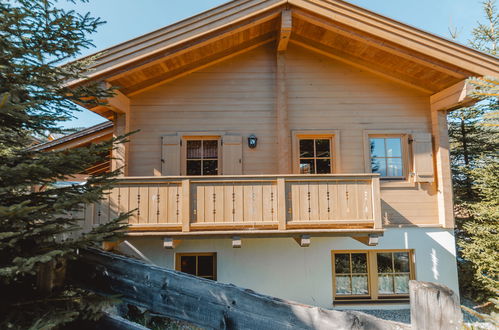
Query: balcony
x,y
262,206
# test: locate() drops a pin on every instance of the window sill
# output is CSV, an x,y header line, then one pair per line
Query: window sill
x,y
397,184
370,302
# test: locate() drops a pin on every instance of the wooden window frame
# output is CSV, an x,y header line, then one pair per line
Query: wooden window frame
x,y
333,135
183,149
197,254
406,152
372,278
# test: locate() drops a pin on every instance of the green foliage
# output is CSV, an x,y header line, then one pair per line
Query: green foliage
x,y
474,140
39,221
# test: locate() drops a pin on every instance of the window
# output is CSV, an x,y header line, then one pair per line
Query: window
x,y
198,264
202,156
372,275
387,156
315,156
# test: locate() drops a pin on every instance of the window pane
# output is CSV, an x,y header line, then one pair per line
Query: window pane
x,y
401,283
359,285
343,285
306,148
188,264
377,147
384,262
322,148
323,166
401,262
193,149
307,166
385,284
210,148
205,266
210,167
378,165
359,263
342,263
193,167
393,147
394,167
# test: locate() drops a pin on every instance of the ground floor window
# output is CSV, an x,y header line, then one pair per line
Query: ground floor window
x,y
199,264
381,275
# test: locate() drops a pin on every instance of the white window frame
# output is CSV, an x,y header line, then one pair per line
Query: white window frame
x,y
406,152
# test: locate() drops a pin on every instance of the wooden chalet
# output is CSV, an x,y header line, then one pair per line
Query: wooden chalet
x,y
265,122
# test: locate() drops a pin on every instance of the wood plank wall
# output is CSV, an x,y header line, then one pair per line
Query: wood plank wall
x,y
238,96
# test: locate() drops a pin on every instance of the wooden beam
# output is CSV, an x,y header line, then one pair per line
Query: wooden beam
x,y
303,240
285,30
186,208
281,203
119,102
236,242
170,243
370,240
206,304
283,132
119,153
456,96
442,162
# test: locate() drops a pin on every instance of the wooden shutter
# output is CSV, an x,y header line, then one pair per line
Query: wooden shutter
x,y
170,155
423,157
232,155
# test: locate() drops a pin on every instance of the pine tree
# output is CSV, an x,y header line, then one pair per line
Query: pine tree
x,y
39,227
474,143
480,237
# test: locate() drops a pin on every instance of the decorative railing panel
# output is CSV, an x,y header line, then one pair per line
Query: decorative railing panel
x,y
249,202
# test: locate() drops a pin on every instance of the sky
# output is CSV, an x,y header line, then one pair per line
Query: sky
x,y
127,19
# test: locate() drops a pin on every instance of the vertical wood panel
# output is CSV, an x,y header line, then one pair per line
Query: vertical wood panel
x,y
238,203
200,208
313,190
219,215
163,204
133,195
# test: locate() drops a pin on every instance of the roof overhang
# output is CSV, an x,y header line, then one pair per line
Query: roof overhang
x,y
333,28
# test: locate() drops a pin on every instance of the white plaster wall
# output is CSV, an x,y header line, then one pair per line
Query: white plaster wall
x,y
279,267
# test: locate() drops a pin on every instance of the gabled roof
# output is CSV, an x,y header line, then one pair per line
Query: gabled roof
x,y
78,138
332,27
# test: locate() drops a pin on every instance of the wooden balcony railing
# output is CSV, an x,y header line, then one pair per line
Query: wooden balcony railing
x,y
225,203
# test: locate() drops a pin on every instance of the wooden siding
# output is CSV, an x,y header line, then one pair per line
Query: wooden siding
x,y
327,94
237,96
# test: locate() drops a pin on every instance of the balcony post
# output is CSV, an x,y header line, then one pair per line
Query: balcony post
x,y
281,203
378,224
186,205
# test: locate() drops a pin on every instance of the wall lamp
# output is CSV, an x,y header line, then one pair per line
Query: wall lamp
x,y
252,140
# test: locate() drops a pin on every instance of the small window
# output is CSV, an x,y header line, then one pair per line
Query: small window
x,y
198,264
315,155
387,156
202,156
372,275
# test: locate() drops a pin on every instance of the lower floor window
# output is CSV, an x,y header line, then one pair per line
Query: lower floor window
x,y
372,275
198,264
